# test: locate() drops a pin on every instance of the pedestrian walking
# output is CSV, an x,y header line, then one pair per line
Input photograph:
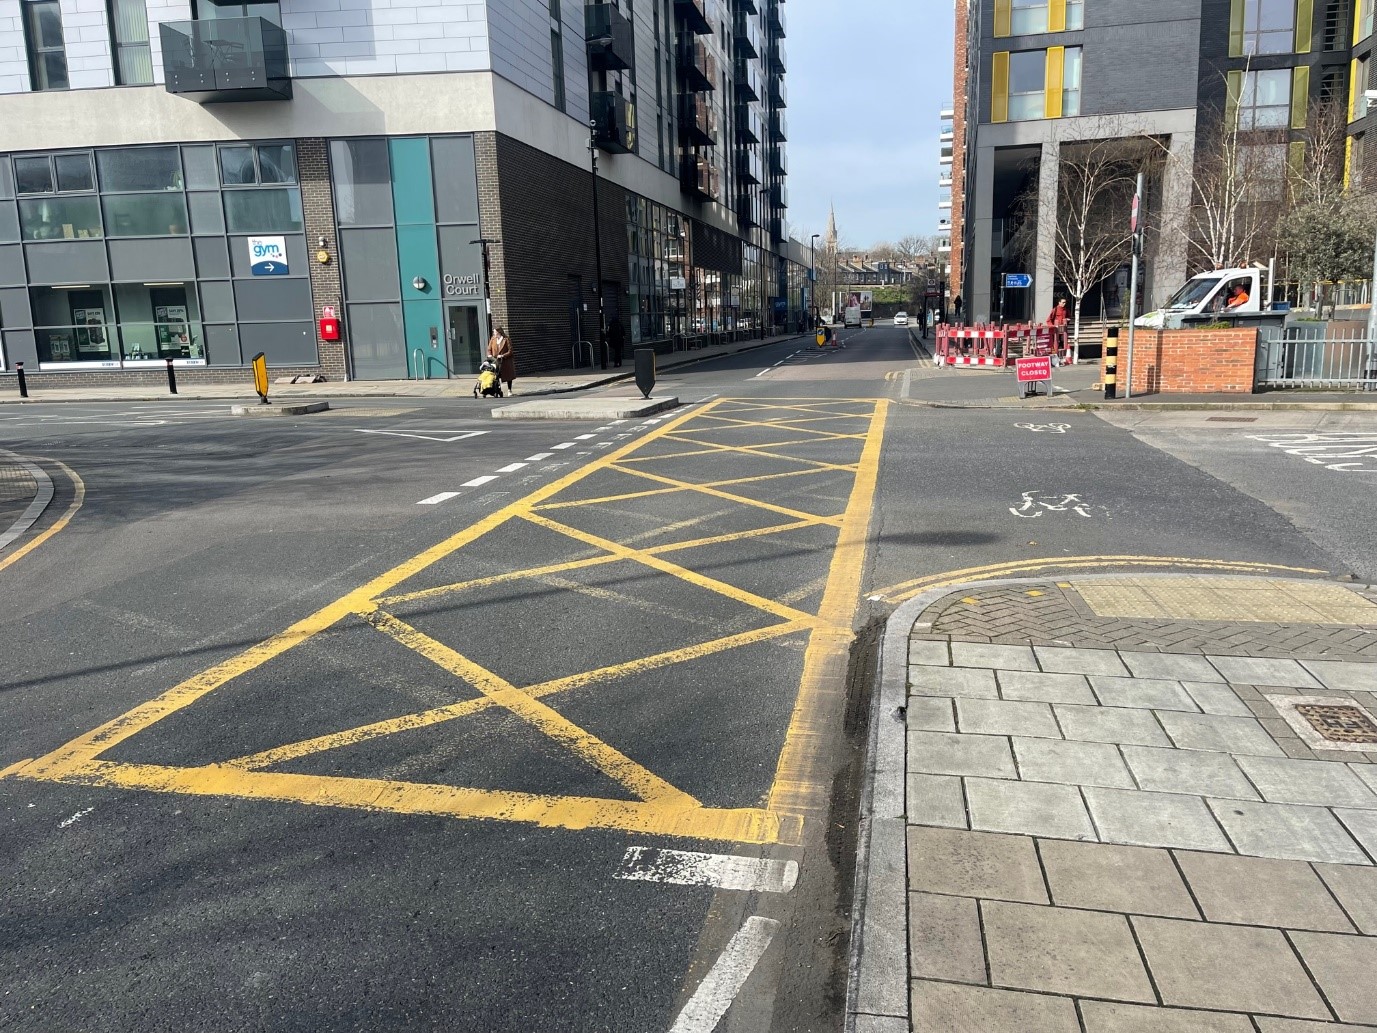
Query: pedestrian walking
x,y
500,350
922,321
957,306
616,340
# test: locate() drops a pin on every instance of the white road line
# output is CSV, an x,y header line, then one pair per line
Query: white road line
x,y
539,456
479,481
512,468
724,871
584,437
615,422
74,818
726,978
563,445
435,500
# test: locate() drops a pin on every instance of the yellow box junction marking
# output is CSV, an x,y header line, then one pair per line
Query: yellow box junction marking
x,y
798,790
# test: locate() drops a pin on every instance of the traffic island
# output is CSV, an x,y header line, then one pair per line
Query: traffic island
x,y
294,409
586,408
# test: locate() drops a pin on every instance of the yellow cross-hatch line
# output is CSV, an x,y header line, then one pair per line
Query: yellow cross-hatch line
x,y
797,791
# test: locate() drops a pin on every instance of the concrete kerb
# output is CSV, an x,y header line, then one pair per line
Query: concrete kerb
x,y
878,975
42,497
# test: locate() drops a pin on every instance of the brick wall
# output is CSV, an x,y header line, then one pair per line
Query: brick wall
x,y
1190,362
958,150
318,205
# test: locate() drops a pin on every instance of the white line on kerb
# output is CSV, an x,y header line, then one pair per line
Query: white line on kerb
x,y
478,481
563,444
728,975
538,457
724,871
435,500
512,468
74,818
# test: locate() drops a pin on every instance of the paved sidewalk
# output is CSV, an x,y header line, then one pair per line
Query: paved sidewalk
x,y
1124,804
547,383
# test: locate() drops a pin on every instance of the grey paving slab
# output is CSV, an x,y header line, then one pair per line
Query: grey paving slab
x,y
1048,688
1367,772
1272,1024
1172,666
1287,831
1226,967
880,1024
931,714
975,864
1193,772
1216,698
953,1008
951,681
1320,782
1071,763
1029,808
1110,724
1109,1017
929,651
1063,951
1356,890
947,753
1223,734
1344,968
1147,693
1343,675
1066,660
1105,877
935,800
984,654
944,938
1261,891
1154,819
1005,717
1251,670
1363,826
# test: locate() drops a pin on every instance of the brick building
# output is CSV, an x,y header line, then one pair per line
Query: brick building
x,y
203,181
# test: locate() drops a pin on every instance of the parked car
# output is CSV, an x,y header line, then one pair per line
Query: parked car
x,y
901,319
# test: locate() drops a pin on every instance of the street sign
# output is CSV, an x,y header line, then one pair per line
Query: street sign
x,y
1133,219
1033,367
1018,280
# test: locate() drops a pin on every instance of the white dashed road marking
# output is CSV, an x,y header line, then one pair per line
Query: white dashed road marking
x,y
435,500
512,468
722,871
563,445
726,978
538,457
479,481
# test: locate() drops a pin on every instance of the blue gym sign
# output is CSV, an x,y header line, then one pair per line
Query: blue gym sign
x,y
268,256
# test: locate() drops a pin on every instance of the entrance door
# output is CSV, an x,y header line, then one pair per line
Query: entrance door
x,y
465,339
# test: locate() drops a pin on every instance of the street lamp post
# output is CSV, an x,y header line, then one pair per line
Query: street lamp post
x,y
487,292
597,245
813,278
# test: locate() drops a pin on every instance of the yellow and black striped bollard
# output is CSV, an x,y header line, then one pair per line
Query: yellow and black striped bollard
x,y
1111,362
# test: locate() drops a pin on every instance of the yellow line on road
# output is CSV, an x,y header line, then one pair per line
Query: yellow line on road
x,y
66,518
797,514
496,579
750,450
681,486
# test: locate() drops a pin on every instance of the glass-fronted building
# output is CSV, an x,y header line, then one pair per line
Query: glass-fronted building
x,y
206,182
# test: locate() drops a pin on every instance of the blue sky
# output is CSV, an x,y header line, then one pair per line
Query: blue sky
x,y
866,81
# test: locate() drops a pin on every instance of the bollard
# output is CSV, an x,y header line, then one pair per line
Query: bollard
x,y
1111,363
645,369
171,378
23,385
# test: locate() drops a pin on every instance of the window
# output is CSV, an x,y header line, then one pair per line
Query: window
x,y
60,173
1027,85
1264,167
1075,15
247,165
1071,83
1027,17
1360,70
1269,26
129,42
557,60
1355,162
1265,100
47,52
145,215
1364,19
263,211
76,217
140,168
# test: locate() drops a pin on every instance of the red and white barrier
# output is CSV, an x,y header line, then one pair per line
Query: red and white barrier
x,y
998,346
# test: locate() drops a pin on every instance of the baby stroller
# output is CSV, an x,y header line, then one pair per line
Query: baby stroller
x,y
488,385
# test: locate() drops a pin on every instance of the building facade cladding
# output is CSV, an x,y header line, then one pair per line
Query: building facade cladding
x,y
352,69
961,121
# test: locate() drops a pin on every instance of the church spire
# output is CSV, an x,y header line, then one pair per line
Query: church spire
x,y
831,237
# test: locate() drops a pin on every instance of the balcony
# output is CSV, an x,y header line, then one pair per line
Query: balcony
x,y
748,209
615,122
776,225
779,128
227,59
748,82
944,203
700,177
747,36
699,67
944,181
698,122
696,15
748,6
777,64
779,163
779,26
779,95
750,128
605,22
779,195
749,166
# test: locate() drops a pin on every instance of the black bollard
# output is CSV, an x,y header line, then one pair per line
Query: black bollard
x,y
171,378
645,370
23,385
1111,363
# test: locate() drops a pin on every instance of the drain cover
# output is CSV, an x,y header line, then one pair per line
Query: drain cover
x,y
1339,723
1230,419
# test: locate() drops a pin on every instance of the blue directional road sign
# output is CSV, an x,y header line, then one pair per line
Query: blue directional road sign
x,y
1018,280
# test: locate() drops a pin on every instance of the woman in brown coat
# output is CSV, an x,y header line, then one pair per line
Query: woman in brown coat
x,y
500,351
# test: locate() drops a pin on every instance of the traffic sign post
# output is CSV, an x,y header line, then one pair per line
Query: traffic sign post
x,y
1030,370
1018,281
1136,228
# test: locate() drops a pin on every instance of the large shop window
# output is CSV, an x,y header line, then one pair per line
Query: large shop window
x,y
47,50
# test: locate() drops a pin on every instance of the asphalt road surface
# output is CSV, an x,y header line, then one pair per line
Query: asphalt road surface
x,y
403,718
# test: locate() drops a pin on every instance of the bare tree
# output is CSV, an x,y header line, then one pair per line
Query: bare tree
x,y
1319,174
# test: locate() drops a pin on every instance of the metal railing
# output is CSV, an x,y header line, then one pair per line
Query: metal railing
x,y
1317,358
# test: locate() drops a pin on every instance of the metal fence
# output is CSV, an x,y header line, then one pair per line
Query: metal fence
x,y
1316,357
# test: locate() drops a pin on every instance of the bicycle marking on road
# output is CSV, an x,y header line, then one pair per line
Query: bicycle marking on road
x,y
386,606
1039,503
1339,451
1037,428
